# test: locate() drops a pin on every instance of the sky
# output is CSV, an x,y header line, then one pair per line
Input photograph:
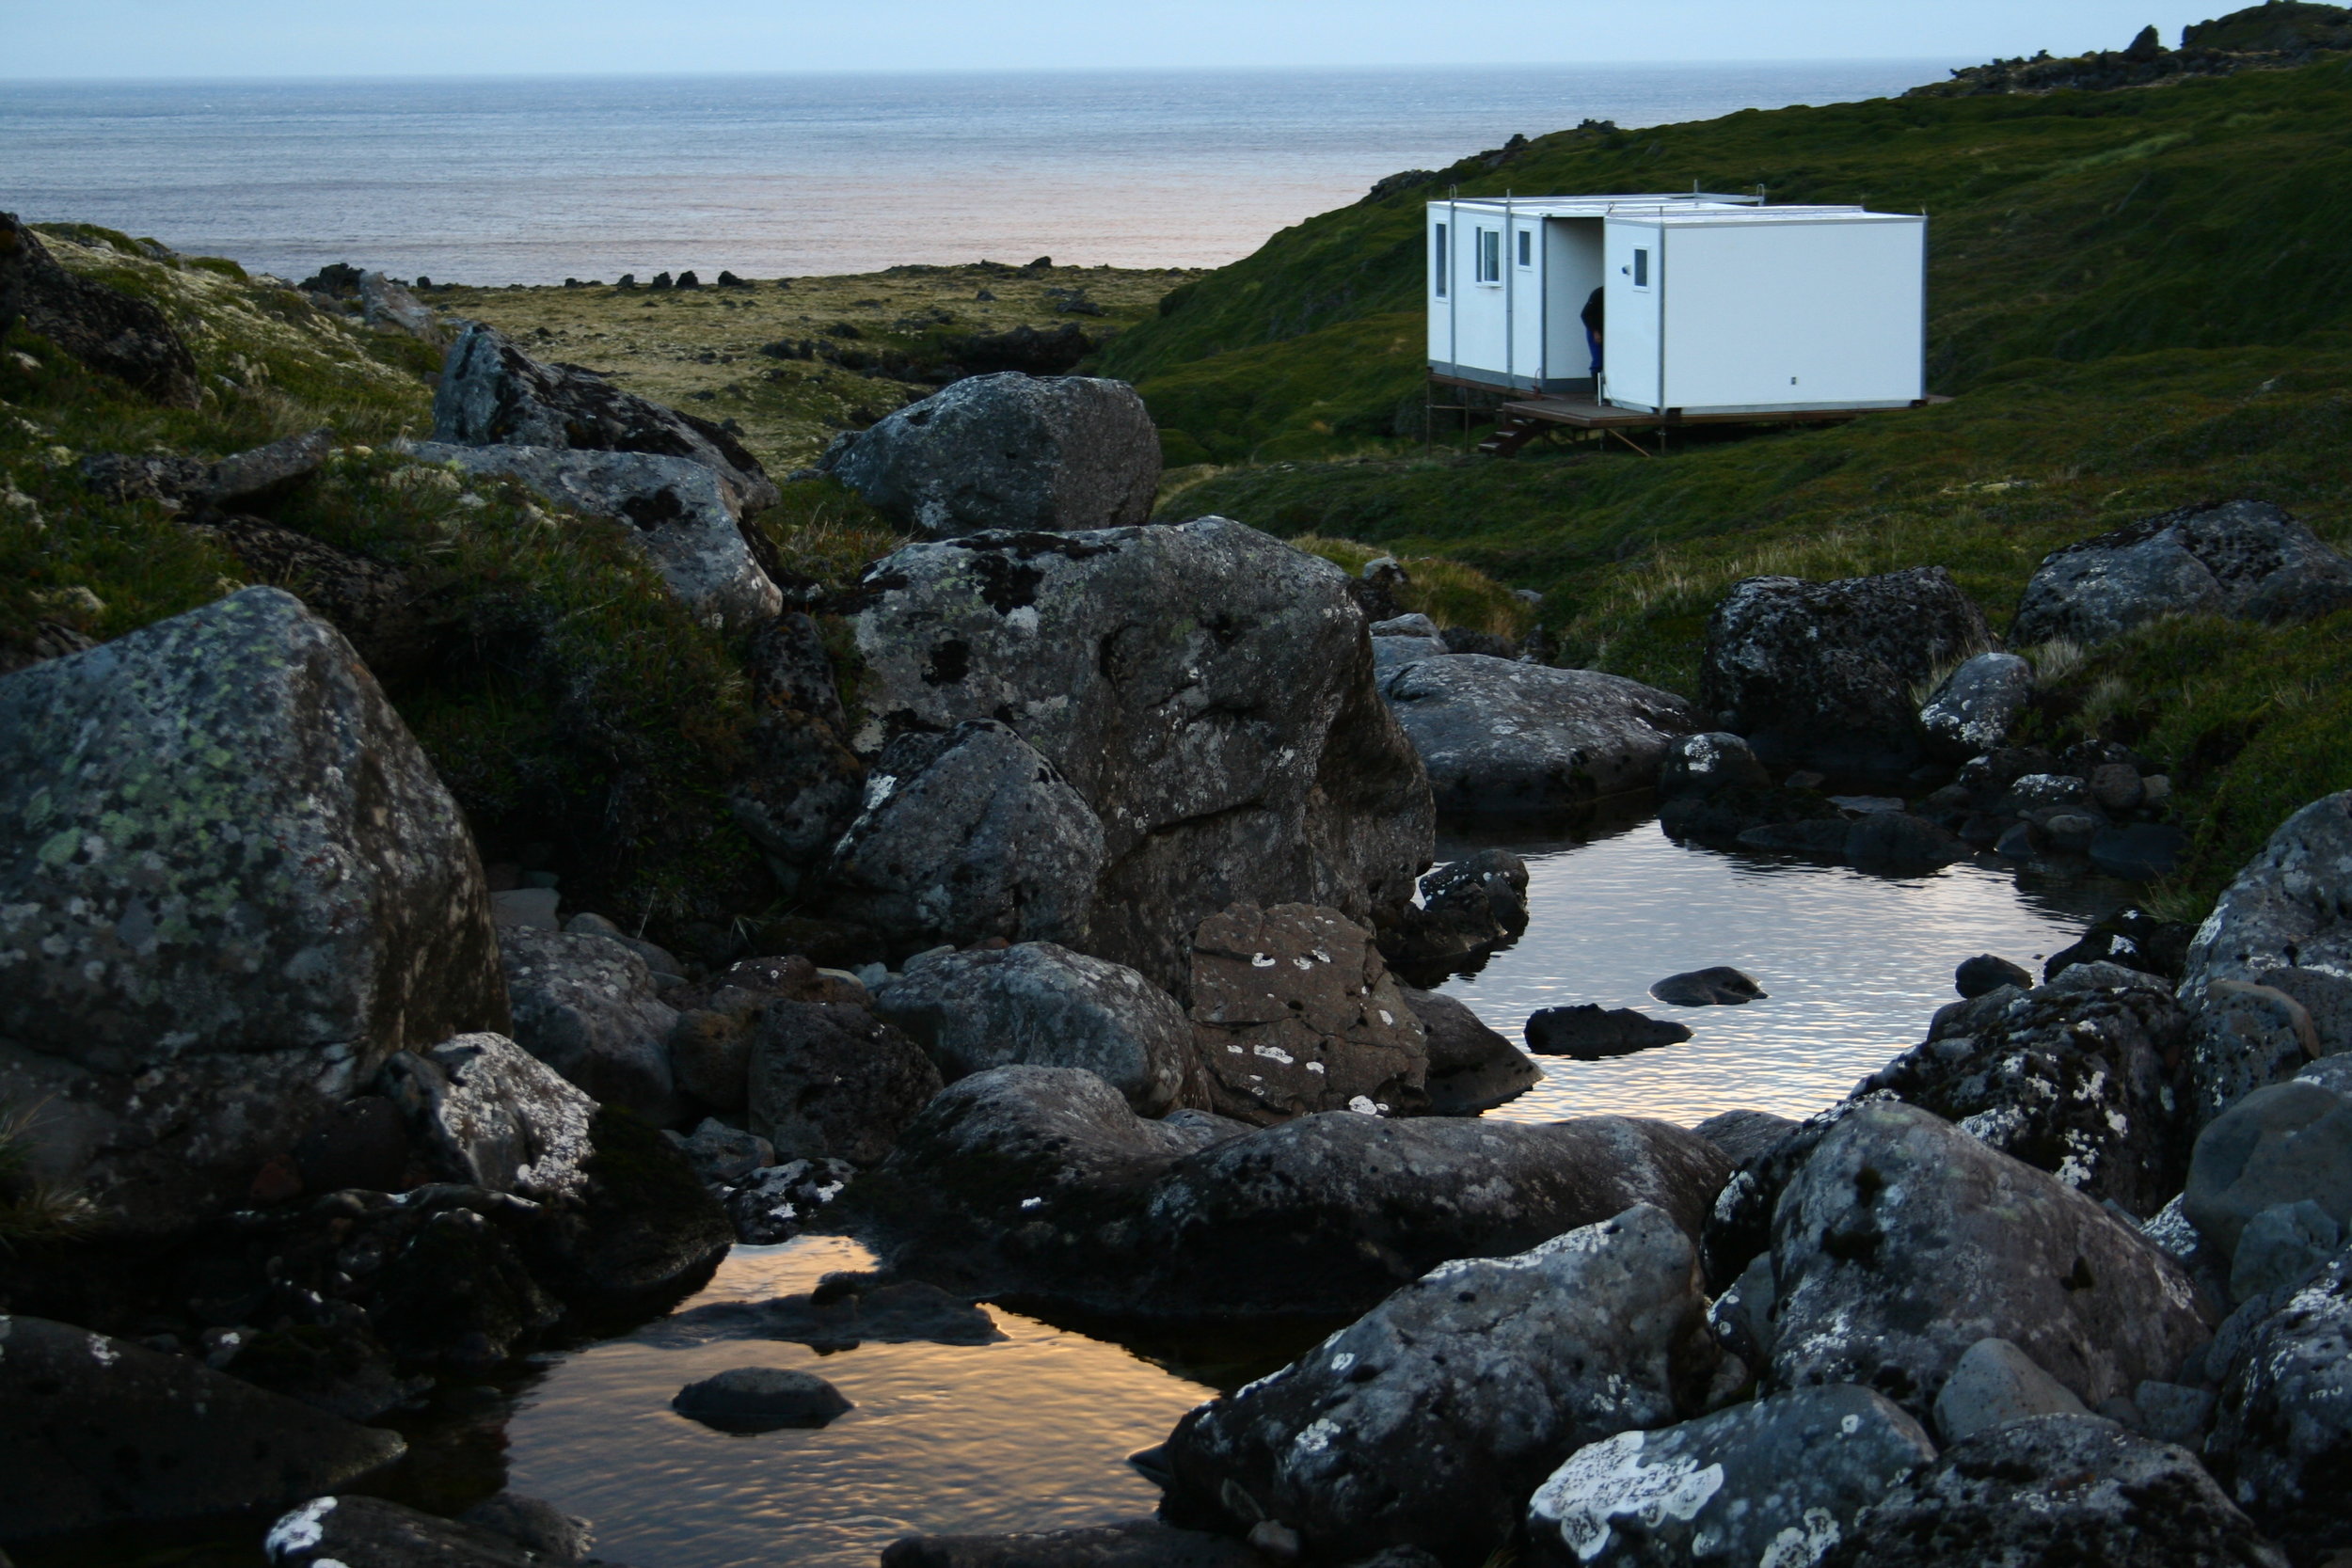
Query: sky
x,y
119,39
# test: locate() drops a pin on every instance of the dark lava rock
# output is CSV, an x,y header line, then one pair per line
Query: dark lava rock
x,y
2327,1001
1700,765
1500,737
1062,455
833,1081
398,631
1591,1034
232,885
1141,1544
111,332
536,1526
2133,939
1740,1223
1818,837
648,1230
493,394
2283,1144
2283,1438
1743,1135
2242,1038
1041,1182
2073,1489
760,1399
1818,674
373,1532
2287,907
1428,1421
845,1311
1720,986
2241,558
361,1143
1897,844
2139,852
778,1202
1988,972
100,1431
1903,1241
1206,689
1472,1067
587,1006
2070,1078
1772,1481
1468,907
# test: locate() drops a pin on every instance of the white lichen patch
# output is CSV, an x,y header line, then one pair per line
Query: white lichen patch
x,y
1608,1480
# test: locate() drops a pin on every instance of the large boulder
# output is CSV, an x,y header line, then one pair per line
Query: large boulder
x,y
829,1080
969,836
2070,1077
1776,1482
2289,908
1206,689
2073,1489
494,1115
803,785
1046,1006
682,513
2286,1143
585,1004
1501,737
1293,1012
1821,674
1428,1421
2242,1038
97,1430
1059,454
2238,557
494,394
230,886
1040,1181
1971,713
2283,1438
112,332
1903,1241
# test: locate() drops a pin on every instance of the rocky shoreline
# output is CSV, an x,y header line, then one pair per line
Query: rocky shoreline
x,y
1111,843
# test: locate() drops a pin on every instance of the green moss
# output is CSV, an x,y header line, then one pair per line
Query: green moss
x,y
1447,592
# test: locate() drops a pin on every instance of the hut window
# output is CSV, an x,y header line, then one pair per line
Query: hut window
x,y
1440,263
1490,255
1641,269
1527,248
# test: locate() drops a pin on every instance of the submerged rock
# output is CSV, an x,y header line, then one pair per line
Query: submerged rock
x,y
760,1399
1501,737
1720,986
1591,1034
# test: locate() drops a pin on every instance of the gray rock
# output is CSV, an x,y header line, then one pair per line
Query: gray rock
x,y
2070,1077
1821,837
2243,1037
666,969
400,629
2329,1073
493,394
726,1156
968,835
1973,711
1041,1004
536,1526
1993,1382
1469,906
2280,1247
1428,1421
1415,624
1818,674
833,1081
371,1532
495,1116
243,478
1472,1067
1501,737
1743,1135
760,1399
1141,1544
1394,653
1776,1482
2280,1144
586,1005
1059,454
1294,1011
2174,1412
2115,787
1719,986
1897,844
385,303
105,1432
530,908
1591,1033
1702,764
2327,999
1206,689
1987,972
2283,1429
2072,1489
682,513
2241,558
1902,1241
112,332
779,1202
230,885
2285,910
1041,1181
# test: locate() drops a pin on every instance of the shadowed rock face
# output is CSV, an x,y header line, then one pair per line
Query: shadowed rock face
x,y
1206,689
224,863
104,328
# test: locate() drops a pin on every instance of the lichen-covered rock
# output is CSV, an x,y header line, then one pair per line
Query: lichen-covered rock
x,y
494,394
1469,906
1428,1421
1738,1225
495,1116
1293,1012
1206,689
586,1005
385,303
230,885
833,1081
2239,558
358,1532
1972,712
1472,1069
1699,765
2070,1077
1041,1004
99,1431
1777,1482
969,836
2241,1037
1819,673
1040,1181
2285,1143
1501,737
2283,1437
111,332
2290,907
1902,1241
778,1202
2073,1489
683,514
1059,454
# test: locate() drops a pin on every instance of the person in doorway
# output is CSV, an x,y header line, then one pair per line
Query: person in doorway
x,y
1592,318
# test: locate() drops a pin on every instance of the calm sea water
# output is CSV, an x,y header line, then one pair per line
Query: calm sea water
x,y
487,180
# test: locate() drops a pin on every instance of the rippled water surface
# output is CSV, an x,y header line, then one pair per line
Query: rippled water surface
x,y
1854,965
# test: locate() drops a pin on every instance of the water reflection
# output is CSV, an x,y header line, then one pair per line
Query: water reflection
x,y
1855,964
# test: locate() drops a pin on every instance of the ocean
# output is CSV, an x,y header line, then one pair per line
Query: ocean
x,y
490,181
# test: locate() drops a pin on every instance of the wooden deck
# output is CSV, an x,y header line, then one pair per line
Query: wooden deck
x,y
1519,420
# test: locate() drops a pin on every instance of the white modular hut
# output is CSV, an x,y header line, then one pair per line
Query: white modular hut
x,y
1714,304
